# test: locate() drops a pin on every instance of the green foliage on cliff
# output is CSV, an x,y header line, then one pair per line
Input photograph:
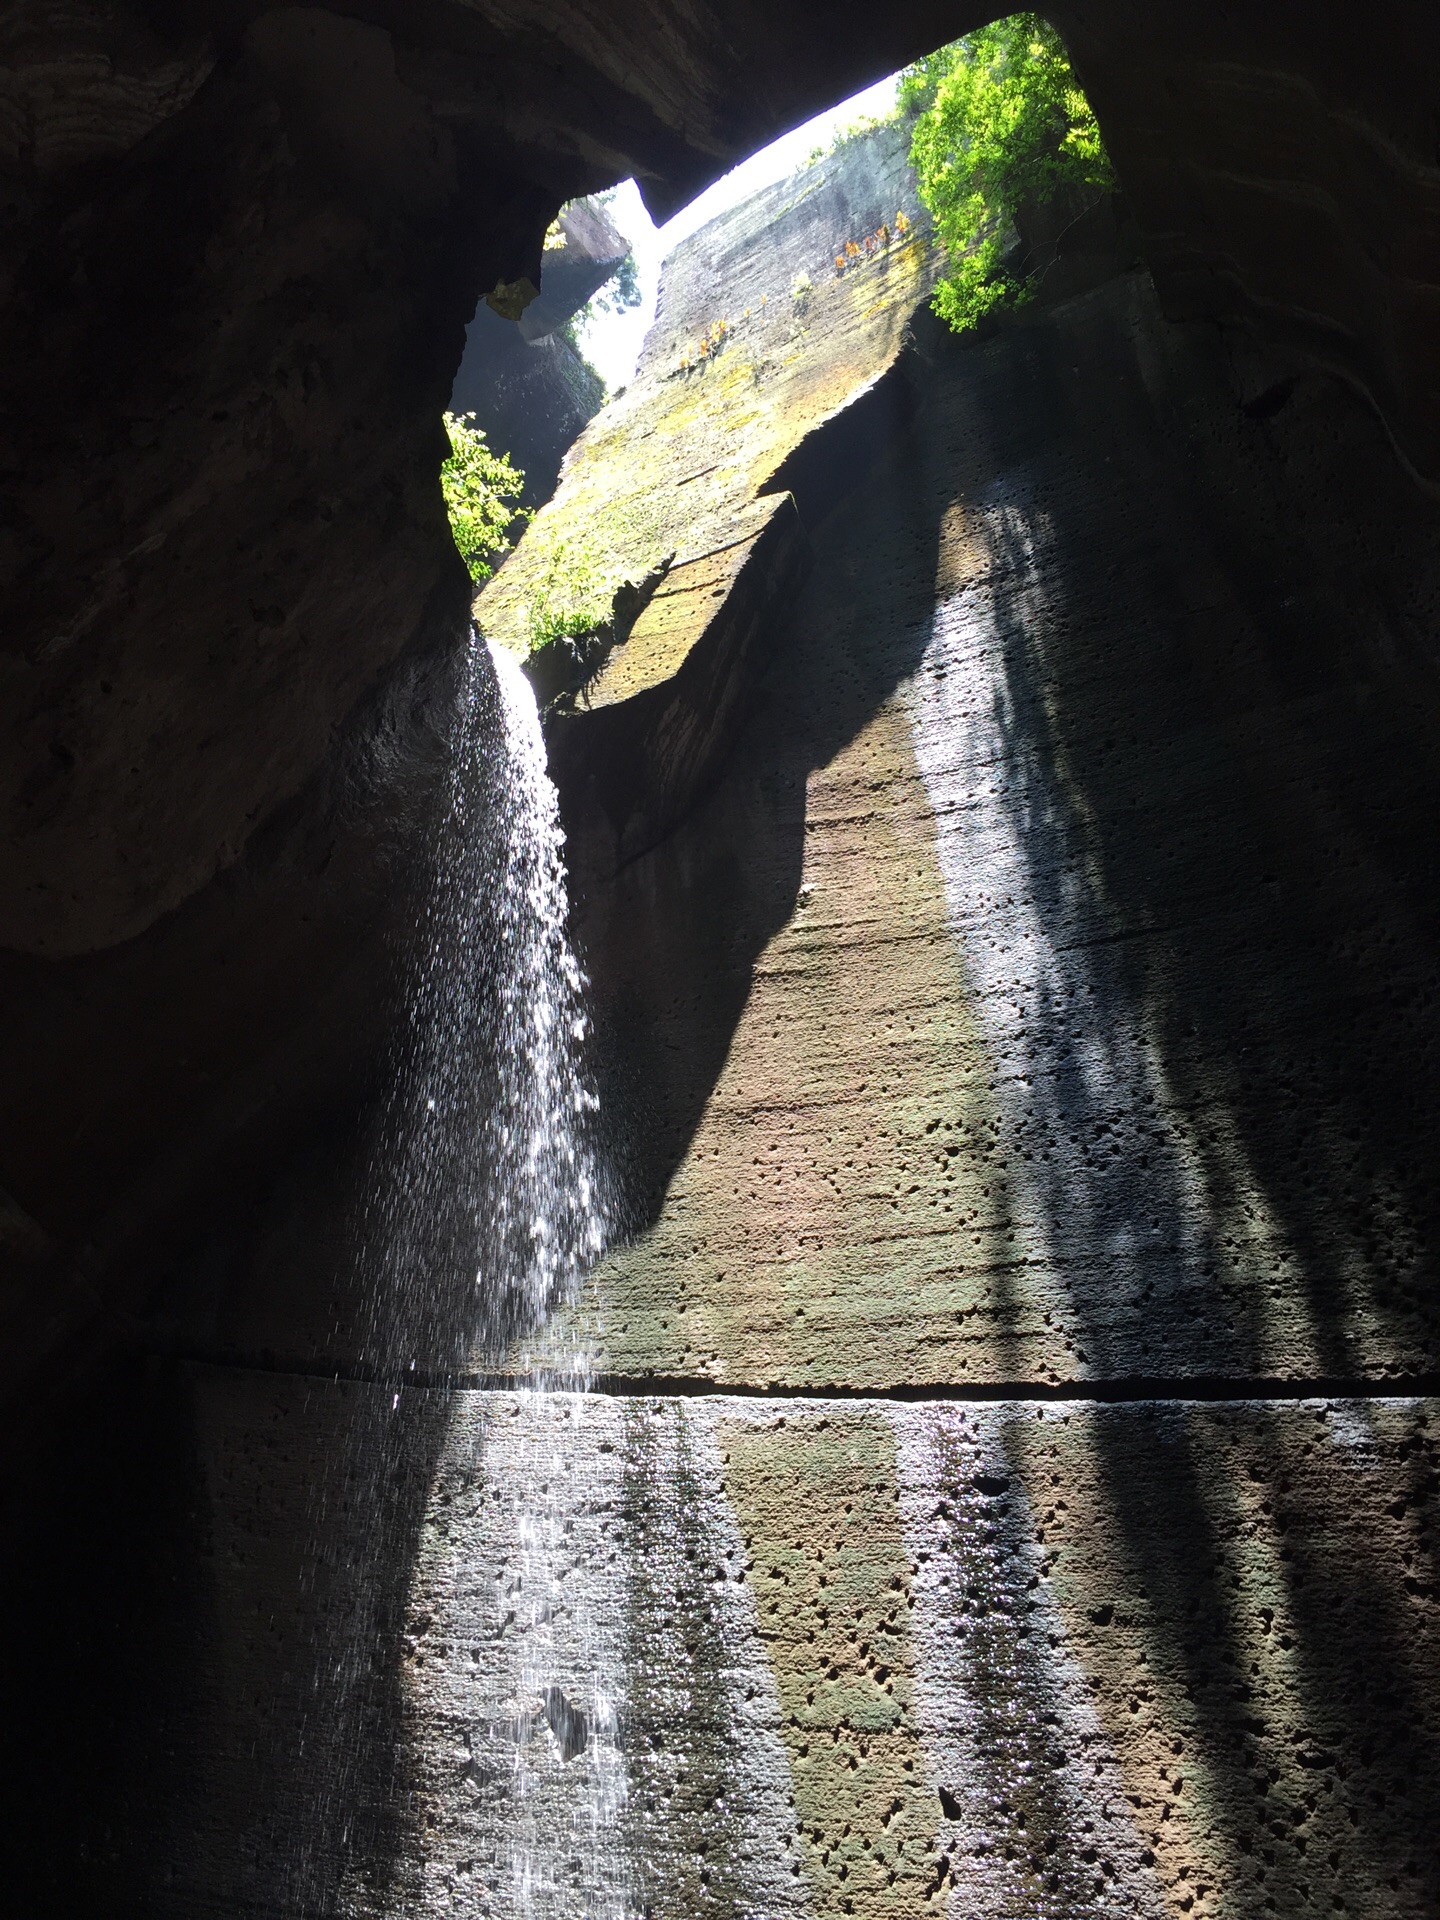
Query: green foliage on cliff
x,y
1002,125
480,488
620,291
572,596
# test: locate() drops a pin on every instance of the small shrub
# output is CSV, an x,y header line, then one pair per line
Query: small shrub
x,y
480,488
1001,124
573,598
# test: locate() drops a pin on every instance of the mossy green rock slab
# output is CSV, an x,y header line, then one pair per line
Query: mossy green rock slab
x,y
1044,992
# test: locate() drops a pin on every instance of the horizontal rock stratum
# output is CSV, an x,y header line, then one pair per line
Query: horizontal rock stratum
x,y
685,1658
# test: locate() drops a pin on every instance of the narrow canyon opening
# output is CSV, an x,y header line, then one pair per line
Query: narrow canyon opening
x,y
719,1189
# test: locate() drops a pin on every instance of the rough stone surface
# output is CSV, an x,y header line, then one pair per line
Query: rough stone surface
x,y
533,400
530,390
672,469
1043,1003
829,1657
241,244
1027,1036
1047,992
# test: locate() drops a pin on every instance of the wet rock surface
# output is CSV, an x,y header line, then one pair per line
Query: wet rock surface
x,y
241,247
1013,1486
837,1657
1041,1005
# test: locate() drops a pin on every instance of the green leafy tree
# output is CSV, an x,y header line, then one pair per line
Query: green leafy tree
x,y
1001,126
480,488
620,291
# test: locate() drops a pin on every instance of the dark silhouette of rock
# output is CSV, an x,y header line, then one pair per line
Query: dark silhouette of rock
x,y
529,388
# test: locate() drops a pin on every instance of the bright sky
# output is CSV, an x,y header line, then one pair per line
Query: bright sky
x,y
611,342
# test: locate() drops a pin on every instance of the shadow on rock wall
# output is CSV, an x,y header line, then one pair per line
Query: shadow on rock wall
x,y
672,941
1212,729
1177,745
1174,746
228,1588
210,1575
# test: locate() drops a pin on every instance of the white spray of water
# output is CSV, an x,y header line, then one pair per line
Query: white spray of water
x,y
483,1201
483,1206
531,1785
567,1782
548,1219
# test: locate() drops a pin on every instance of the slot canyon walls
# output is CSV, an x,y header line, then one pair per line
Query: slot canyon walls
x,y
1038,1002
242,244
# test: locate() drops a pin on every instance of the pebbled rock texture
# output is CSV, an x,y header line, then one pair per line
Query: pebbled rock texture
x,y
1041,1005
241,244
1012,1488
707,1657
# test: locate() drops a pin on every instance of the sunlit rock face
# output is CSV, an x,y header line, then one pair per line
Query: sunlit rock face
x,y
1045,991
678,493
1038,1009
677,1656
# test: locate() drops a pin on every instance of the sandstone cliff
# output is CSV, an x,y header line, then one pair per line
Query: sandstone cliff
x,y
1068,869
1013,1484
676,498
242,245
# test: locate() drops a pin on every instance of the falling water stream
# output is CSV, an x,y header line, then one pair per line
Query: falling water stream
x,y
547,1217
551,1745
483,1200
483,1206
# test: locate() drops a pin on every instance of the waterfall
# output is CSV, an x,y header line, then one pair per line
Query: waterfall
x,y
547,1219
541,1786
483,1203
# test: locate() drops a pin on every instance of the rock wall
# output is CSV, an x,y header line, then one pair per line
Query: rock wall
x,y
1011,1484
1027,1038
531,391
1118,674
678,493
1046,931
858,1657
533,399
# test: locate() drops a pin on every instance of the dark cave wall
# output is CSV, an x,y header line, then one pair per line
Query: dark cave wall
x,y
1283,163
241,250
